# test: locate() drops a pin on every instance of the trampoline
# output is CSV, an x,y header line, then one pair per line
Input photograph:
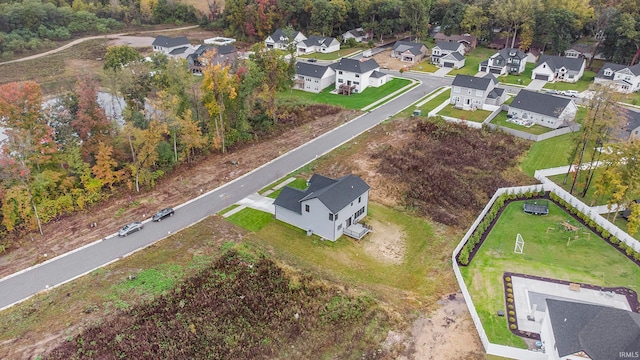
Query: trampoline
x,y
536,207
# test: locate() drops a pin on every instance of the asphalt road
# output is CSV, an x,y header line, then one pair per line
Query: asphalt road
x,y
22,285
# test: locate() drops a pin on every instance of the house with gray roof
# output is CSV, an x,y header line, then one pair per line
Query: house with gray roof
x,y
358,34
313,77
327,207
558,68
575,330
542,109
172,46
624,79
321,44
505,61
354,76
448,54
578,50
281,39
630,127
471,92
225,54
409,51
469,41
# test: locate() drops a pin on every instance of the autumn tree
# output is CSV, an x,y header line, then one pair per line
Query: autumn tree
x,y
513,15
105,167
116,57
219,87
144,152
416,14
90,122
604,116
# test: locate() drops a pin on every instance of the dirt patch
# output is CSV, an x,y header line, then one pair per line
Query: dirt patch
x,y
385,61
386,243
447,333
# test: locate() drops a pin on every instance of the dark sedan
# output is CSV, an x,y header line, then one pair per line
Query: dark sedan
x,y
162,214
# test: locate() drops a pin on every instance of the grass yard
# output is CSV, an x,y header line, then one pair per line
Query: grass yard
x,y
435,102
424,269
425,66
296,184
523,79
473,60
621,223
475,116
547,254
354,101
501,120
343,52
251,219
548,153
633,98
581,85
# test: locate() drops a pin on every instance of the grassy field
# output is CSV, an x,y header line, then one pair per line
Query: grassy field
x,y
354,101
424,269
548,153
547,254
501,120
473,60
435,102
581,85
296,184
475,116
343,52
425,66
523,79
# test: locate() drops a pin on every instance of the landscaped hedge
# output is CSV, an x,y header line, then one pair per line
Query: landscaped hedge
x,y
474,242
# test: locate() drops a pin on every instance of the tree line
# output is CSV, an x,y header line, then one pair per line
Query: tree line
x,y
550,25
34,24
67,155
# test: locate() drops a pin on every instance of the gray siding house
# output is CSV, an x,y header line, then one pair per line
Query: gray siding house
x,y
409,51
624,79
470,92
542,109
327,208
280,39
172,46
448,54
505,61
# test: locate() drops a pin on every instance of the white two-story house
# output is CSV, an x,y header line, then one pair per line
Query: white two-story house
x,y
448,54
281,39
312,77
354,76
321,44
327,207
176,47
559,68
471,92
624,79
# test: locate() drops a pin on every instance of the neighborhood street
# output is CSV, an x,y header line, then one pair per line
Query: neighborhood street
x,y
22,285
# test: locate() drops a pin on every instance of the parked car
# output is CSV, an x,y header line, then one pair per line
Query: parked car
x,y
313,60
162,214
572,93
130,228
553,92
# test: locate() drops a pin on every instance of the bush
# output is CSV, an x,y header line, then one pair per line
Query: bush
x,y
509,285
512,319
507,279
512,313
510,296
509,290
513,326
510,300
510,307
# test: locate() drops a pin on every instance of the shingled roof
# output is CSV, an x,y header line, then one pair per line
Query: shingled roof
x,y
558,62
474,82
335,194
168,42
540,103
635,70
448,45
311,70
356,66
602,332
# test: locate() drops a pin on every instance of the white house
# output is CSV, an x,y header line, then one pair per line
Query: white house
x,y
353,76
472,92
579,331
448,54
358,34
543,109
559,68
319,44
280,39
313,78
327,207
505,61
625,79
179,47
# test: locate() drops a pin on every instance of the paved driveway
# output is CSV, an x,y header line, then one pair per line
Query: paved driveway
x,y
536,85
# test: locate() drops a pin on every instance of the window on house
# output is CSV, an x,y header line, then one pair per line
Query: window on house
x,y
340,227
478,92
335,217
456,89
306,208
359,199
340,81
330,217
340,72
608,72
356,83
469,91
357,75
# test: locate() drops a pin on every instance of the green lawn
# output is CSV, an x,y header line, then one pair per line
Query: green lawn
x,y
343,52
633,99
354,101
621,223
435,102
296,184
424,268
523,79
501,120
588,259
548,153
472,61
425,66
251,219
475,116
581,85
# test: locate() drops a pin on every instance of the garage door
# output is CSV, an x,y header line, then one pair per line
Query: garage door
x,y
495,71
542,77
448,64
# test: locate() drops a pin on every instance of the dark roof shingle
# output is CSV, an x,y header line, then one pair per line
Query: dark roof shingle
x,y
356,66
540,103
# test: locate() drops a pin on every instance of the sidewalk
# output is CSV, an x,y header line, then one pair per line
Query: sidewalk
x,y
378,102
